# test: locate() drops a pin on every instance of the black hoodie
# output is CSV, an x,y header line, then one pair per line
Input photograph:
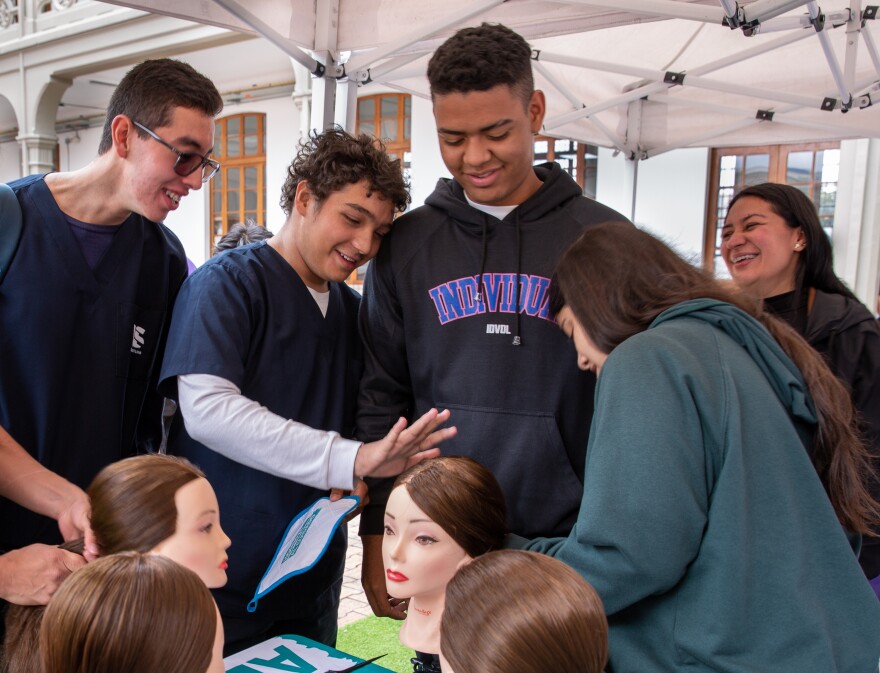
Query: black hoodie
x,y
433,339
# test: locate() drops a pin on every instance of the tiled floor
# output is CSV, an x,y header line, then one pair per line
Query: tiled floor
x,y
354,605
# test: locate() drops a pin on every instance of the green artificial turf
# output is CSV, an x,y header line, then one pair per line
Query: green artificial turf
x,y
372,636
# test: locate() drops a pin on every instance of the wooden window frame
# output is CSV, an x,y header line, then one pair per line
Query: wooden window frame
x,y
776,172
241,162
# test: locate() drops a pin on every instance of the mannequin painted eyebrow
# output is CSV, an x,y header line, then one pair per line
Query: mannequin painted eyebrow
x,y
391,516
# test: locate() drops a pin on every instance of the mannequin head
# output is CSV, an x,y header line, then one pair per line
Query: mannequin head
x,y
533,614
161,504
126,612
151,504
441,513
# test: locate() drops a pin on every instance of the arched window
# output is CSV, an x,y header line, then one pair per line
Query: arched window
x,y
238,191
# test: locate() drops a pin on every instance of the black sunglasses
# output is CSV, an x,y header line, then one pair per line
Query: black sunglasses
x,y
187,162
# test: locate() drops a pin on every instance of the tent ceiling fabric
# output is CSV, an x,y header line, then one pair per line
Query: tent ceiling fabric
x,y
593,57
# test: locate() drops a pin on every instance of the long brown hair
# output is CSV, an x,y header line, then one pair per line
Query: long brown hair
x,y
462,497
617,279
133,509
129,612
132,500
522,612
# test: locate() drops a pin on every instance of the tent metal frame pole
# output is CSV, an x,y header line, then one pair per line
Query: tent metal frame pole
x,y
577,104
628,97
666,9
766,94
868,39
556,84
751,52
853,33
831,58
265,30
377,73
764,10
363,61
324,89
782,115
782,23
599,124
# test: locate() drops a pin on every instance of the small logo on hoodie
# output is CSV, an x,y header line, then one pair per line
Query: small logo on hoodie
x,y
137,339
458,299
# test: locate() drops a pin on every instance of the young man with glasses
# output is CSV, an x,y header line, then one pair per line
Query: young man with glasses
x,y
85,305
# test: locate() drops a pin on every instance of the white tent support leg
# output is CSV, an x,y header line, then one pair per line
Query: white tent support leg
x,y
324,88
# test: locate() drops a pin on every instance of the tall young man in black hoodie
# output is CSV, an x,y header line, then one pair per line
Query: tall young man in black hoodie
x,y
454,313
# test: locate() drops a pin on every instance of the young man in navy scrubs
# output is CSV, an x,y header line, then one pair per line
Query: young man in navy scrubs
x,y
264,359
85,304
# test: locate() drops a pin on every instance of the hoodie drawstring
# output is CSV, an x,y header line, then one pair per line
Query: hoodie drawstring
x,y
517,339
479,296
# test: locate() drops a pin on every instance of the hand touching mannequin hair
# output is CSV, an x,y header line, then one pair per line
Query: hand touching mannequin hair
x,y
441,514
151,504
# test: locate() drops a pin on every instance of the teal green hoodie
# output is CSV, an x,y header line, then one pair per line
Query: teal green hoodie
x,y
704,527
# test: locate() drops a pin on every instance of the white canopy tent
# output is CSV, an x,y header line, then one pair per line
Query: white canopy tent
x,y
640,76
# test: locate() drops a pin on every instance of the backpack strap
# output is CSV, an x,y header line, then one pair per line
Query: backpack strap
x,y
10,227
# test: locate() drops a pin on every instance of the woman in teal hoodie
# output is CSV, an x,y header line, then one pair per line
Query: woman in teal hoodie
x,y
722,476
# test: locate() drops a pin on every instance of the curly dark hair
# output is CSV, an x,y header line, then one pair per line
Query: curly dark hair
x,y
151,90
481,58
330,160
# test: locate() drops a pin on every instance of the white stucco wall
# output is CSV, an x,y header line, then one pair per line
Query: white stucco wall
x,y
670,195
427,164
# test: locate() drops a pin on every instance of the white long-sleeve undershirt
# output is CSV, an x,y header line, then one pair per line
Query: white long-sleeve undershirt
x,y
216,414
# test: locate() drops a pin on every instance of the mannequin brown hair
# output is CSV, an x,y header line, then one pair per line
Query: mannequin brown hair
x,y
127,612
521,612
462,497
133,509
124,492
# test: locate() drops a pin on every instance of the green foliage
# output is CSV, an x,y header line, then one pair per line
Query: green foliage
x,y
372,636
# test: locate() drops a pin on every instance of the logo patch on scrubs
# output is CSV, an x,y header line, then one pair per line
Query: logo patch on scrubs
x,y
137,339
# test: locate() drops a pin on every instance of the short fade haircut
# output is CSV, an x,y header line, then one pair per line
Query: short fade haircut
x,y
151,90
330,160
481,58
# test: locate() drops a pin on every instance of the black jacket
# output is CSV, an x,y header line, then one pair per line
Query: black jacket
x,y
848,337
439,324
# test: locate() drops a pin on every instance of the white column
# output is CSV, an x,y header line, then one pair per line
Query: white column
x,y
37,153
856,235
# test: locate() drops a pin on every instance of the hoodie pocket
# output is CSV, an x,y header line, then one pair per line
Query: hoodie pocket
x,y
525,452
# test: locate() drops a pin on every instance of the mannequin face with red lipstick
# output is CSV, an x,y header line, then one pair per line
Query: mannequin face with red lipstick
x,y
420,557
199,542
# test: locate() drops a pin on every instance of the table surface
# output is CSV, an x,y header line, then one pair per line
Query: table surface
x,y
294,653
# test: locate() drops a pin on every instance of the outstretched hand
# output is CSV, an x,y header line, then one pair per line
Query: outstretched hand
x,y
404,446
74,523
